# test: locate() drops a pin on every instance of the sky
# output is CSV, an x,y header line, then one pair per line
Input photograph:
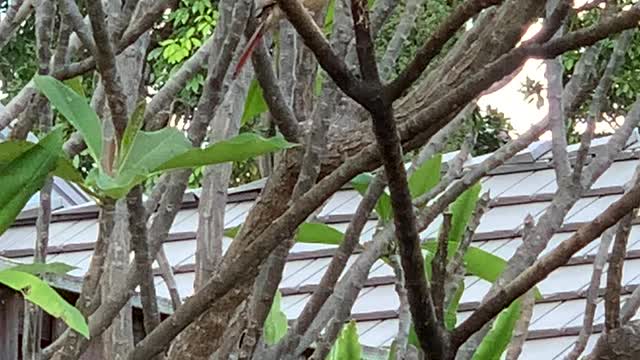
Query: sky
x,y
511,101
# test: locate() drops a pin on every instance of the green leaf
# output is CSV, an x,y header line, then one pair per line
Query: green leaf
x,y
426,176
318,233
254,105
412,339
133,128
76,110
308,233
65,170
24,176
147,151
347,346
275,326
461,211
232,232
40,293
75,84
328,18
497,340
451,315
383,206
393,349
238,148
42,268
11,149
428,258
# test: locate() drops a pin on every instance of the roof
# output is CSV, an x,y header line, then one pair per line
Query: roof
x,y
522,186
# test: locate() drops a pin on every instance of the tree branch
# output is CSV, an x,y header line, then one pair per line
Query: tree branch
x,y
439,267
16,14
106,64
614,274
282,113
433,46
314,39
143,260
592,294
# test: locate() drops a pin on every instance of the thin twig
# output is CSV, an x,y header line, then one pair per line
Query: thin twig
x,y
521,329
599,99
167,276
404,314
336,266
15,15
592,294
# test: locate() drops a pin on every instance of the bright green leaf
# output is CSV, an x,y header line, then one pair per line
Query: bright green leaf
x,y
347,346
318,233
461,211
40,293
254,105
76,110
308,233
238,148
426,176
24,176
75,84
328,18
412,339
275,326
497,340
451,315
11,149
42,268
65,170
428,258
148,151
232,232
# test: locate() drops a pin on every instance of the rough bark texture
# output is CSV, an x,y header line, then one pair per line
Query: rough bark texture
x,y
622,343
118,339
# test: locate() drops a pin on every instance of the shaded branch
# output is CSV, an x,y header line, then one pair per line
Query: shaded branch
x,y
614,274
314,39
143,260
439,267
282,113
434,45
